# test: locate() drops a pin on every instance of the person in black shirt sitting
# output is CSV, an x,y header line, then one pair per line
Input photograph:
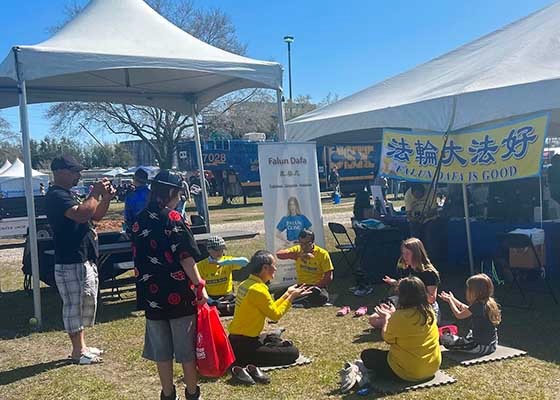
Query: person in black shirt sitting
x,y
75,246
165,255
484,313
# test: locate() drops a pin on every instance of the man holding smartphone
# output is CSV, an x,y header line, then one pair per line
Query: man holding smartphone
x,y
76,250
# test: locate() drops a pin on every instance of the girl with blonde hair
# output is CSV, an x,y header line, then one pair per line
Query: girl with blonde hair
x,y
485,316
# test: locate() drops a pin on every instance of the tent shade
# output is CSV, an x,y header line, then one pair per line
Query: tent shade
x,y
511,72
125,52
7,164
12,181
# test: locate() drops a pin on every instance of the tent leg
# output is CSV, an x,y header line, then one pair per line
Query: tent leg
x,y
30,202
541,199
201,168
281,120
468,228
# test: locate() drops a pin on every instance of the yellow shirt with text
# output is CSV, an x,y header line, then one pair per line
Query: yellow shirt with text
x,y
311,271
219,280
415,353
253,305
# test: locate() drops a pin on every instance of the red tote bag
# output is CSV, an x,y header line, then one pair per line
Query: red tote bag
x,y
214,354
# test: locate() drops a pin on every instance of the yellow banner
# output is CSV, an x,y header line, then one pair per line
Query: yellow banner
x,y
499,153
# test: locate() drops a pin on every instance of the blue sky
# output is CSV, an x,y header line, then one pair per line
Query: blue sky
x,y
340,46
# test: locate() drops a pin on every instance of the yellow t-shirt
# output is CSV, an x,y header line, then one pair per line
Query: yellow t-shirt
x,y
253,305
311,271
219,280
414,207
414,354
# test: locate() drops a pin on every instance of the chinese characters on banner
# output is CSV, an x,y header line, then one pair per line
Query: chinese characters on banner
x,y
492,154
291,200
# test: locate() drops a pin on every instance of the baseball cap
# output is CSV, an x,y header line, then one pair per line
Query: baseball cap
x,y
215,243
141,175
169,178
66,162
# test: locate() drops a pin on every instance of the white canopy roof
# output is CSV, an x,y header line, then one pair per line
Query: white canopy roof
x,y
512,71
7,164
17,171
114,172
123,51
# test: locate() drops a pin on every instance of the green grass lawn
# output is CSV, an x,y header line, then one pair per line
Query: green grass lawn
x,y
33,365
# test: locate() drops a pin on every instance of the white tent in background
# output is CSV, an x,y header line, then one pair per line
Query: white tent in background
x,y
511,72
7,164
114,172
122,51
12,181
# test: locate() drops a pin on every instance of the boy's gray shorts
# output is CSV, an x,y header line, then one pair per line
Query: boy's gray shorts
x,y
168,339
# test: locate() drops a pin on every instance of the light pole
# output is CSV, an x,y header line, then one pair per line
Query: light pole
x,y
289,40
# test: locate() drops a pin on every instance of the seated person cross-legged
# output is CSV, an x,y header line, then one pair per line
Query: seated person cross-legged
x,y
314,267
217,270
411,332
253,305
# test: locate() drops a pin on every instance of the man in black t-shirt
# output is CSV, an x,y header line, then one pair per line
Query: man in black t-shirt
x,y
75,246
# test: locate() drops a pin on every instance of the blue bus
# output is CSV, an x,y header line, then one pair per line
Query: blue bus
x,y
237,162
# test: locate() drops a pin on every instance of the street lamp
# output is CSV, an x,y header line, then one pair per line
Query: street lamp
x,y
289,40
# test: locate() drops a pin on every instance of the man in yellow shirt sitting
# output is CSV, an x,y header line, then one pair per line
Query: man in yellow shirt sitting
x,y
253,305
314,267
217,271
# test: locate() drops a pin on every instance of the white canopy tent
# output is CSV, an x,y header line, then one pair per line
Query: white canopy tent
x,y
122,51
114,172
7,164
511,72
12,181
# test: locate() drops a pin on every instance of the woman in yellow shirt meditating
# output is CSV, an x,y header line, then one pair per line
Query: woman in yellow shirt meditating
x,y
253,305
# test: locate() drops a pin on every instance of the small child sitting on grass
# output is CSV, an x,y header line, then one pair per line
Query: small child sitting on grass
x,y
217,271
485,316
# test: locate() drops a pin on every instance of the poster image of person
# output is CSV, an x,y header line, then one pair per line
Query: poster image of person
x,y
291,224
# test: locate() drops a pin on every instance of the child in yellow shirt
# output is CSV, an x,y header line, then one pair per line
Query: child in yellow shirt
x,y
217,271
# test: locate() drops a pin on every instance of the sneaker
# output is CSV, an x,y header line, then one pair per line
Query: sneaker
x,y
172,396
348,377
364,374
195,396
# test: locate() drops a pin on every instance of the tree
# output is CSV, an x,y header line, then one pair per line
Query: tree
x,y
90,155
160,129
9,145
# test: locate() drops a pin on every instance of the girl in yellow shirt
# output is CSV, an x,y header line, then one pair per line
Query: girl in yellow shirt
x,y
411,331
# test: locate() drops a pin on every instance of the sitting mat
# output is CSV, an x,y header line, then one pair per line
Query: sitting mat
x,y
302,360
466,359
391,387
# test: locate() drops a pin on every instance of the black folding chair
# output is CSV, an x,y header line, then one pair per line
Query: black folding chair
x,y
198,224
516,241
346,247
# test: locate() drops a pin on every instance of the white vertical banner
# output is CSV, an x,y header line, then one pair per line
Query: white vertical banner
x,y
291,200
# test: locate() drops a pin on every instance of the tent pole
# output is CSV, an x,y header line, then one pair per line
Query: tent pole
x,y
540,198
468,228
30,202
280,111
200,167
